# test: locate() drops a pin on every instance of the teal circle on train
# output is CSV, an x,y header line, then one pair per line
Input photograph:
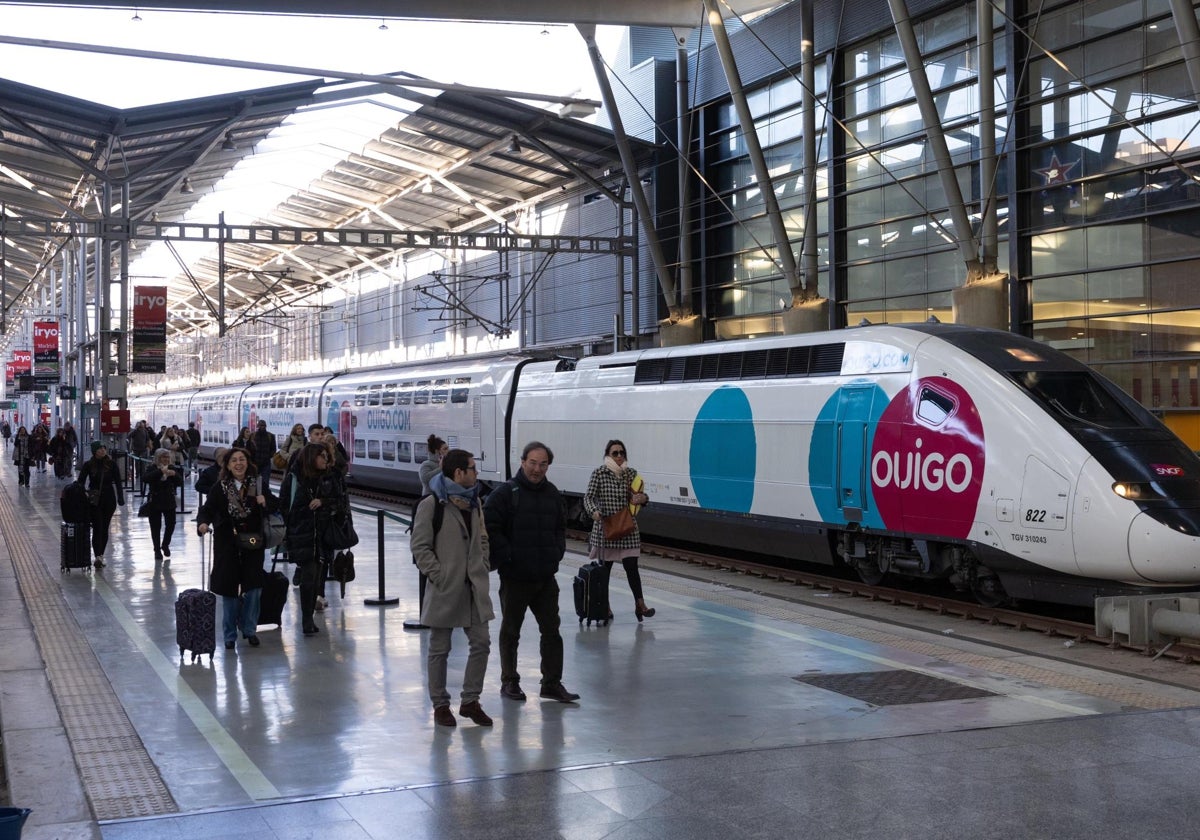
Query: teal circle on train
x,y
724,452
840,482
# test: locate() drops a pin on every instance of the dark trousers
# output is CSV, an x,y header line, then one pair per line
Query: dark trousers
x,y
631,572
160,536
541,598
101,518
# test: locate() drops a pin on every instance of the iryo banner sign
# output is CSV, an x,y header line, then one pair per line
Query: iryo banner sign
x,y
45,352
149,329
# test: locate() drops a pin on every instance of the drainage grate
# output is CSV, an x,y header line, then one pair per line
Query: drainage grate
x,y
893,688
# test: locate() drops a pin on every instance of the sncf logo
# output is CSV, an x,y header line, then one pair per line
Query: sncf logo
x,y
1167,470
927,459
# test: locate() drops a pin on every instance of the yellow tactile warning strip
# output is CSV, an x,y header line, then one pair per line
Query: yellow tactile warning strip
x,y
1125,694
118,775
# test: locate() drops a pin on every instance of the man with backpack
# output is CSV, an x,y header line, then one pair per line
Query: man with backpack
x,y
450,546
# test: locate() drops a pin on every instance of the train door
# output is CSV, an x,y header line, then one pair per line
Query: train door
x,y
345,432
489,458
853,449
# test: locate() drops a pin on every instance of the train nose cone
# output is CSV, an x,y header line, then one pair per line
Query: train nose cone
x,y
1165,547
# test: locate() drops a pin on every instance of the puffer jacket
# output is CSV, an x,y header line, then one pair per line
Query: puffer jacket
x,y
527,530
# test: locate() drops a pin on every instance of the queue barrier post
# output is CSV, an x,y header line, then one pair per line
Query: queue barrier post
x,y
382,600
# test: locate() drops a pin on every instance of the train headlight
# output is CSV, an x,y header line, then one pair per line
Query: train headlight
x,y
1139,490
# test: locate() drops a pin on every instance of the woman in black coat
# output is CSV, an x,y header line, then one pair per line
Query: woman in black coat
x,y
102,481
311,495
163,481
238,504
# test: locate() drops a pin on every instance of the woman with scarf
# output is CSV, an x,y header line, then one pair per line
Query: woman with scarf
x,y
162,481
611,487
23,456
450,547
312,494
294,443
237,507
100,478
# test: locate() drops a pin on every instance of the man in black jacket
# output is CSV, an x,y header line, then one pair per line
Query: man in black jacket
x,y
265,446
526,524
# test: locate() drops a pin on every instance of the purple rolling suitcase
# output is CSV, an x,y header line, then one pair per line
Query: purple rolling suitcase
x,y
196,623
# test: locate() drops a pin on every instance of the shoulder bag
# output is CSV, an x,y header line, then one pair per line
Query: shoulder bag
x,y
339,534
619,524
249,540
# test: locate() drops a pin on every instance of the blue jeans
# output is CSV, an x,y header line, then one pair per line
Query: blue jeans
x,y
241,610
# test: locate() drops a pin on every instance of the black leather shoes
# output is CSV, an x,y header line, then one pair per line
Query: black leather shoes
x,y
442,716
475,712
558,691
229,645
253,640
512,690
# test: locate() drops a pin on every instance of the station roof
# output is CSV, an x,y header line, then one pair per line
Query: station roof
x,y
370,156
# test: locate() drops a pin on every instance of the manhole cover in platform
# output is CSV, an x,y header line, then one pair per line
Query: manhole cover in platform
x,y
893,688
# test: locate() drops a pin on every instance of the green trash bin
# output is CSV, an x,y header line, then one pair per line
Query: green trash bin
x,y
11,820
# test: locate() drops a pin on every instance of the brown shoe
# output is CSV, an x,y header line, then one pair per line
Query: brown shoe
x,y
442,716
475,712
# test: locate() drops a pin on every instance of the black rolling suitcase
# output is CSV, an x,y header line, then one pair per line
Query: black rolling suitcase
x,y
274,598
73,501
75,550
196,623
591,593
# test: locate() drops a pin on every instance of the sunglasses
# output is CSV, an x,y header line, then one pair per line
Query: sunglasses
x,y
617,452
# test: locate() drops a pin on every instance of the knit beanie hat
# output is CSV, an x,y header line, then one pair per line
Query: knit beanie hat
x,y
97,444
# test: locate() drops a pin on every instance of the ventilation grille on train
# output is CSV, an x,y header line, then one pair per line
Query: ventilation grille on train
x,y
818,360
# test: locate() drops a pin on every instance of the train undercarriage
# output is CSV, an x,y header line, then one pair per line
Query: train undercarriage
x,y
875,557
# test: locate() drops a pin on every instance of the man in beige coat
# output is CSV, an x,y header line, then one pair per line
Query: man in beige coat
x,y
450,547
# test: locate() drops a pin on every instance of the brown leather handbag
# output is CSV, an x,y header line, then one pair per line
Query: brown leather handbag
x,y
620,524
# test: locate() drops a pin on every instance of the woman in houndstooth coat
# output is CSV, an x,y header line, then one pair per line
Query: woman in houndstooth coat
x,y
612,485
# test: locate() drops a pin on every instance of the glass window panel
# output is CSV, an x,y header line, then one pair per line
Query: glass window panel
x,y
1174,286
864,282
1054,30
946,29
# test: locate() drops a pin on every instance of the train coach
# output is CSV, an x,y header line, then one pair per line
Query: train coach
x,y
924,451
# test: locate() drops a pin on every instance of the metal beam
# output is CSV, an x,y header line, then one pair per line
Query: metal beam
x,y
1189,41
610,12
936,138
786,260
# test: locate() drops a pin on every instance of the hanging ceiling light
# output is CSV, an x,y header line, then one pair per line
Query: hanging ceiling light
x,y
514,148
229,145
427,187
186,187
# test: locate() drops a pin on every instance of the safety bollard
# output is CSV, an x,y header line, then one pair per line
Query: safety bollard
x,y
382,600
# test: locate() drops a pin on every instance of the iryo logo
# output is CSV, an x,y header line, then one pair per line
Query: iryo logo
x,y
927,459
42,331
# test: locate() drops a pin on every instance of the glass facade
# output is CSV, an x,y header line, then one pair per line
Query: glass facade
x,y
1098,150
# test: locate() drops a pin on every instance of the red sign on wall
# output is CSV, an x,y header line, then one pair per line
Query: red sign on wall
x,y
45,352
114,421
149,329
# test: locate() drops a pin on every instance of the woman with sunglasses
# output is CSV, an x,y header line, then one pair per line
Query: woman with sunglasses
x,y
612,486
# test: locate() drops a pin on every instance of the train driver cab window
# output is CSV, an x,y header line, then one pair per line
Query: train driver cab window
x,y
461,389
934,407
1075,397
420,453
404,451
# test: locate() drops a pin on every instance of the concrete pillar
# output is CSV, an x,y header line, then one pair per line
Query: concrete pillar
x,y
685,331
983,303
808,317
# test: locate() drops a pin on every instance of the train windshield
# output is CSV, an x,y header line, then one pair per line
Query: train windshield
x,y
1075,397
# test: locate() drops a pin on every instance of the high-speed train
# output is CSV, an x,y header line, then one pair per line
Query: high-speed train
x,y
919,450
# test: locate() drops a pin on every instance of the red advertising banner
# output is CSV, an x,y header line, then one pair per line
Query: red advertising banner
x,y
10,375
45,352
22,361
149,329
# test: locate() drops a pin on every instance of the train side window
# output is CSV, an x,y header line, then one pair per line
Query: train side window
x,y
389,394
360,448
460,393
441,392
404,395
422,395
360,396
373,450
389,450
420,453
404,451
374,394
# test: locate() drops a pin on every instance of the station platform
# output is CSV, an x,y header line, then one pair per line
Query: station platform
x,y
731,713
